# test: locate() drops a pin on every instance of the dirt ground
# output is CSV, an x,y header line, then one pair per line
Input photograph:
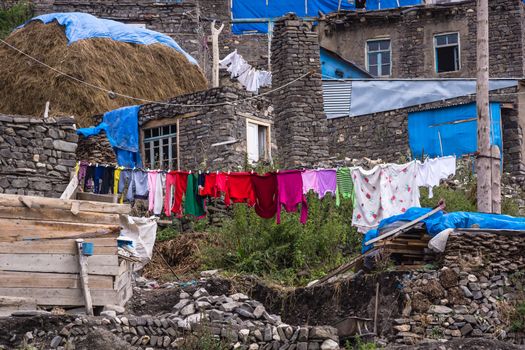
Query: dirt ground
x,y
464,344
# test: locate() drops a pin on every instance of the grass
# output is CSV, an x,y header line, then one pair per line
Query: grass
x,y
360,344
290,253
14,16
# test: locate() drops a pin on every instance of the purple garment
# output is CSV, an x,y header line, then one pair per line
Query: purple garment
x,y
327,181
309,178
82,171
290,194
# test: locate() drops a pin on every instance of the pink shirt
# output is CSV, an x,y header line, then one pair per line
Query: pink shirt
x,y
290,194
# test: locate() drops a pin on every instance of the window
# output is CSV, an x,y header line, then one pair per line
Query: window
x,y
160,147
257,141
447,52
378,57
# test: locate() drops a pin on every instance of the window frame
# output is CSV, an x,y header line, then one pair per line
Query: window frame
x,y
367,59
268,140
173,137
458,44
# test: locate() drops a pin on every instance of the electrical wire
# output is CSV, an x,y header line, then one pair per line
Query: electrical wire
x,y
110,92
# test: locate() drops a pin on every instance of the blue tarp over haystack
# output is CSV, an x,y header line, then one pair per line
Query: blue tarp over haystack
x,y
122,129
441,221
81,26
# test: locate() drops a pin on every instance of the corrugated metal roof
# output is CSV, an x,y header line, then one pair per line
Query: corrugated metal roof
x,y
360,97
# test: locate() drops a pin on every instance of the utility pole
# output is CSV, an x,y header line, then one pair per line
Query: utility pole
x,y
488,188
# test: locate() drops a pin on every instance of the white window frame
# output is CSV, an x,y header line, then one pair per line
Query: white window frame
x,y
434,40
268,143
367,52
172,144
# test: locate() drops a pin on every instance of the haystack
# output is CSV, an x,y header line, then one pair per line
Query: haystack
x,y
153,72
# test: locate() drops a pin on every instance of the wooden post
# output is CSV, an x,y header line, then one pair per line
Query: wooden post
x,y
84,280
46,110
376,308
496,178
483,163
215,47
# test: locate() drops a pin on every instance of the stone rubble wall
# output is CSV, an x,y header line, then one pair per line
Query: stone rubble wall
x,y
37,156
482,276
238,321
300,122
203,127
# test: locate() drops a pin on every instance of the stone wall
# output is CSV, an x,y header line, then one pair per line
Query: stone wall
x,y
36,155
412,32
300,122
211,137
385,135
481,278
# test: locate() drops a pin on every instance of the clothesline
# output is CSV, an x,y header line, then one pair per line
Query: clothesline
x,y
385,190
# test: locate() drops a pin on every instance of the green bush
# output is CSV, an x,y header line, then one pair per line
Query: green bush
x,y
291,253
167,233
14,16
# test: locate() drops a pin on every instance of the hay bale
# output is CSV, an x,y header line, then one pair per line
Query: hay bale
x,y
153,72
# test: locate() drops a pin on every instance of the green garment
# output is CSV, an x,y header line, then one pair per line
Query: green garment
x,y
193,203
345,186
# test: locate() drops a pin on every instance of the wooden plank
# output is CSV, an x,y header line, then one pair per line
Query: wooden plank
x,y
62,296
406,226
122,280
59,263
51,280
102,246
9,200
124,295
93,197
58,215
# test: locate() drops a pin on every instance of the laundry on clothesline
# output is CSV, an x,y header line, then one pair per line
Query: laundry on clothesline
x,y
384,191
390,189
252,79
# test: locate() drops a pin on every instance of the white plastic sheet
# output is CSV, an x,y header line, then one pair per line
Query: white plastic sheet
x,y
143,232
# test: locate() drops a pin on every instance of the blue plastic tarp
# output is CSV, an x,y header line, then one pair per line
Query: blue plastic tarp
x,y
122,130
455,126
81,26
456,220
265,10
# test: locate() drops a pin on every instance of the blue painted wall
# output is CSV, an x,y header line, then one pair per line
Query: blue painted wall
x,y
335,67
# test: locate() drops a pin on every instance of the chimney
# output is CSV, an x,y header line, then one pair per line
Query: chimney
x,y
299,120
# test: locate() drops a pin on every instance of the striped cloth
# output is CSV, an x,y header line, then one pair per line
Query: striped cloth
x,y
345,186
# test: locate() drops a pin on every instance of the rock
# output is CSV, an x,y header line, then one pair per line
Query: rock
x,y
109,313
117,308
124,321
28,336
239,297
439,309
258,312
194,319
253,346
216,315
244,313
201,292
243,335
323,332
202,305
64,146
182,303
55,342
329,344
466,329
188,310
472,278
209,273
229,307
470,319
402,328
466,291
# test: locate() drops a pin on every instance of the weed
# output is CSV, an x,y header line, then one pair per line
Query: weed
x,y
360,344
436,333
290,253
167,233
12,17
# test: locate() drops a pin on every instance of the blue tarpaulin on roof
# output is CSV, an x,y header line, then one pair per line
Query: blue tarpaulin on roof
x,y
441,221
81,26
452,130
122,130
271,9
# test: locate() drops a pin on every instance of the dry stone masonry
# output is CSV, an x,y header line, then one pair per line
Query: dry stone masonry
x,y
300,122
470,296
36,155
238,321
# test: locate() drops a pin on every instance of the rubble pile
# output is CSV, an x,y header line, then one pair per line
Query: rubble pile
x,y
469,296
236,320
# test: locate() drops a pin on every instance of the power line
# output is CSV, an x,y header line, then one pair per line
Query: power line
x,y
146,100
